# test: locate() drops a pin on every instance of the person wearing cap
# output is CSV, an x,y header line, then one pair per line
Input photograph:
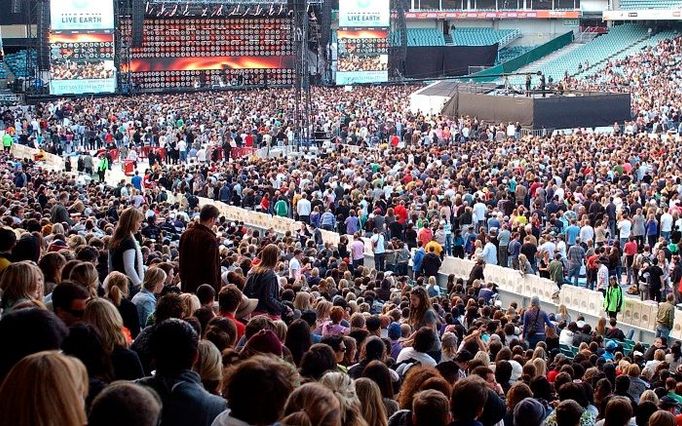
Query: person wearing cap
x,y
529,412
534,321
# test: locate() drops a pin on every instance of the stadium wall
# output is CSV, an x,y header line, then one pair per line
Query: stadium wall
x,y
525,59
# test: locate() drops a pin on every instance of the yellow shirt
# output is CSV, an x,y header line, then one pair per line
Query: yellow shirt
x,y
437,248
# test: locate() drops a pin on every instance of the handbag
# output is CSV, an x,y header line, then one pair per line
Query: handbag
x,y
532,328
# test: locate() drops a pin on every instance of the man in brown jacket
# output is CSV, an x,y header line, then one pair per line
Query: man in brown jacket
x,y
199,257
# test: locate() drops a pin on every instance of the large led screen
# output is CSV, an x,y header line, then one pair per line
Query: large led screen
x,y
362,56
81,43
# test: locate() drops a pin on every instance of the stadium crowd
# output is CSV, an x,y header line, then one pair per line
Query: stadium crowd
x,y
130,303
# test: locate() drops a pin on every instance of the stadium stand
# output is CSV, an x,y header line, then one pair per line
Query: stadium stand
x,y
511,52
425,37
649,4
647,42
619,39
484,36
16,62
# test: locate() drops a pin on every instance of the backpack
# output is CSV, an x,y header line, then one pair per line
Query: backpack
x,y
403,367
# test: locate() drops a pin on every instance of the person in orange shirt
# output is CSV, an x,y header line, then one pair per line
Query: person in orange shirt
x,y
425,235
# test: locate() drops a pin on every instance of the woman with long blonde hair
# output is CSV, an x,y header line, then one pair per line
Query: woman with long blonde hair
x,y
209,366
344,390
312,404
372,405
125,254
85,274
45,388
20,282
116,287
104,316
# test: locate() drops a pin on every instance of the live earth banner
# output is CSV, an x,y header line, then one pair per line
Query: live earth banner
x,y
82,47
82,14
364,13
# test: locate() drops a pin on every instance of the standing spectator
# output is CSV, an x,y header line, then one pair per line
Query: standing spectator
x,y
665,316
431,263
199,257
576,256
534,321
556,270
656,280
630,251
125,255
357,249
613,299
379,249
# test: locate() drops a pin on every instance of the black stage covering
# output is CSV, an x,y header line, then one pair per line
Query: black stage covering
x,y
450,61
553,112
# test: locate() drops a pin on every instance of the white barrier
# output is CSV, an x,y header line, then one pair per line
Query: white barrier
x,y
22,151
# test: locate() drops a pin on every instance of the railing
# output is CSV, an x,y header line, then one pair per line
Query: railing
x,y
508,39
635,313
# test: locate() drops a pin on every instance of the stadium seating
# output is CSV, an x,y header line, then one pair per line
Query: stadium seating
x,y
509,53
457,37
3,70
425,37
646,42
16,62
618,39
465,36
649,4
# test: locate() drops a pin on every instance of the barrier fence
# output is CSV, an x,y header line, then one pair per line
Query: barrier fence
x,y
636,314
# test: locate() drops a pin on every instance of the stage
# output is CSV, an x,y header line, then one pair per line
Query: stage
x,y
497,104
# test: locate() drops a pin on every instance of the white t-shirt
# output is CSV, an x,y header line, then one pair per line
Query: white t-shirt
x,y
378,243
294,268
424,359
625,228
479,211
666,222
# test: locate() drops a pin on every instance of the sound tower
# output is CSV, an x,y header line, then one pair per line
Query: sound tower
x,y
137,35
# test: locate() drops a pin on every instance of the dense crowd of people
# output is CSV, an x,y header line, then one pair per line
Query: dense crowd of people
x,y
133,303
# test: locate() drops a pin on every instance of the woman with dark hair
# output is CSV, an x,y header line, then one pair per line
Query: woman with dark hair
x,y
84,342
379,373
262,284
423,315
373,349
298,340
51,264
318,360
